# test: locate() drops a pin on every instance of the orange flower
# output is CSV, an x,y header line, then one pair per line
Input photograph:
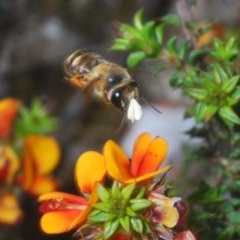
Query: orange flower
x,y
64,212
148,155
41,155
10,211
9,164
8,111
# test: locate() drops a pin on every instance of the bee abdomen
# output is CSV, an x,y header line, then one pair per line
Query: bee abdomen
x,y
82,61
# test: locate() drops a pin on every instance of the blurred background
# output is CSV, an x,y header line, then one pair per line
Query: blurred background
x,y
36,36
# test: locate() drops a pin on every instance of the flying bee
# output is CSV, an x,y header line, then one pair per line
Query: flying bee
x,y
104,80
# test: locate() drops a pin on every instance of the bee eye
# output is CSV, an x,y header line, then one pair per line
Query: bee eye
x,y
114,79
117,100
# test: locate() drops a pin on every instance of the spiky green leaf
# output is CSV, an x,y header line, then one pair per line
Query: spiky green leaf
x,y
103,193
135,58
128,190
110,228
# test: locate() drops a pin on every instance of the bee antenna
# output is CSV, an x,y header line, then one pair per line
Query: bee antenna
x,y
149,104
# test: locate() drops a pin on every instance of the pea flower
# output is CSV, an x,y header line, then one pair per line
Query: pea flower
x,y
63,212
41,155
8,111
122,209
164,212
11,212
148,155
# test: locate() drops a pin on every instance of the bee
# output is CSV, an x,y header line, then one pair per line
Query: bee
x,y
103,80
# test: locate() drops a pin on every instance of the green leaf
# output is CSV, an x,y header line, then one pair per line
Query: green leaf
x,y
234,217
135,58
103,206
110,228
200,111
197,93
103,193
125,223
141,193
228,115
159,33
140,204
236,94
128,190
120,44
210,111
229,85
171,19
137,20
196,54
137,225
116,190
148,29
130,32
207,194
182,50
34,120
172,45
97,216
130,212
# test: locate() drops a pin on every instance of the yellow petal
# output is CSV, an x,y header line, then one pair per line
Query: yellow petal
x,y
10,210
169,216
43,184
90,168
44,152
59,221
117,163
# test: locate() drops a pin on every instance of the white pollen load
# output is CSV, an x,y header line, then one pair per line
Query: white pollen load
x,y
134,111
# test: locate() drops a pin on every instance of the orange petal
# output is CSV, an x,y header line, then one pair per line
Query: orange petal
x,y
154,156
81,218
140,148
58,222
147,176
8,111
62,195
117,162
44,152
9,209
90,168
43,184
26,178
14,162
63,211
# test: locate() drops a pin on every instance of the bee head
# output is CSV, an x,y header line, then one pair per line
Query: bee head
x,y
125,98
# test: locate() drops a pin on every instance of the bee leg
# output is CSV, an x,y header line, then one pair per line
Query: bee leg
x,y
78,81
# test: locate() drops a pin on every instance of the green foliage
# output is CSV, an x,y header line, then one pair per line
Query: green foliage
x,y
209,75
120,206
34,120
143,40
